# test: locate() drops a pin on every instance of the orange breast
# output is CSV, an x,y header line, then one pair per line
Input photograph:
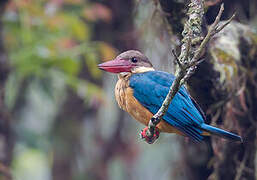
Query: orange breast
x,y
126,101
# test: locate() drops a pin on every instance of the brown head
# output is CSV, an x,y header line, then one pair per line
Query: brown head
x,y
127,61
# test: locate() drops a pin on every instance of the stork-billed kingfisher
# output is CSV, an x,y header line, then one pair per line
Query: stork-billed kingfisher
x,y
141,91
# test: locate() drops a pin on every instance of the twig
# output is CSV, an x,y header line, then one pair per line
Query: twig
x,y
176,58
225,24
191,30
211,32
241,168
189,58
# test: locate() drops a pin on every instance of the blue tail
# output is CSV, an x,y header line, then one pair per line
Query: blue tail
x,y
221,132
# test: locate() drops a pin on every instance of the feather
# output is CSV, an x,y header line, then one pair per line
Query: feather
x,y
150,89
127,101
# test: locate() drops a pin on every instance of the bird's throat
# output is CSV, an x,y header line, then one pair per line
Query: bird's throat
x,y
135,70
142,69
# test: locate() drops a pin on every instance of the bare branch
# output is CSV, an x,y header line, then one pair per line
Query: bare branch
x,y
192,29
241,168
202,46
189,73
217,20
225,24
214,29
176,58
197,40
189,58
188,46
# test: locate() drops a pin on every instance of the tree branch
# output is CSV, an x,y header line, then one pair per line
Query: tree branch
x,y
189,57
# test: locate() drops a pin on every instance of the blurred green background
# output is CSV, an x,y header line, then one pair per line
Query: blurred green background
x,y
62,118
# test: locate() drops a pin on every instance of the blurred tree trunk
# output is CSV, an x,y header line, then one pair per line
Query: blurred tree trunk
x,y
68,127
225,87
235,106
66,135
6,135
120,34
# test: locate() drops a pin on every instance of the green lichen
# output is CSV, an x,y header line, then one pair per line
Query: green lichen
x,y
225,64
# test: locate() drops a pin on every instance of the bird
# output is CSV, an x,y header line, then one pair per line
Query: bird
x,y
141,90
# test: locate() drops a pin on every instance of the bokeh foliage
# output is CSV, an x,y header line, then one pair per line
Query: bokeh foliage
x,y
50,46
43,37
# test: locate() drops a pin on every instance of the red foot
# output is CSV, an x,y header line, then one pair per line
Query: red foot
x,y
150,140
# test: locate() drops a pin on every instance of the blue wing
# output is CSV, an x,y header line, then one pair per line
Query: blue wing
x,y
150,89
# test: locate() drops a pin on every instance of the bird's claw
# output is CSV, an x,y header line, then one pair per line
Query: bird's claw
x,y
149,139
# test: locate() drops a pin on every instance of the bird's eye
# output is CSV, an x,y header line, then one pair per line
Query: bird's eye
x,y
134,59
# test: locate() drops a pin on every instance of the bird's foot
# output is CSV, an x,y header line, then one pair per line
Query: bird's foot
x,y
149,138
